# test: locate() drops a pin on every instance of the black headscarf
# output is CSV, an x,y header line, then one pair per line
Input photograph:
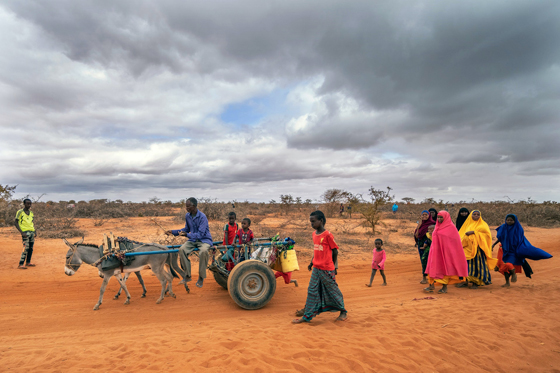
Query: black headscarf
x,y
461,219
434,218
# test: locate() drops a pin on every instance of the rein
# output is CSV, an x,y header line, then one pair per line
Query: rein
x,y
73,267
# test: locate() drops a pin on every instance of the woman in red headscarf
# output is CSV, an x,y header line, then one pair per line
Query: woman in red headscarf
x,y
447,257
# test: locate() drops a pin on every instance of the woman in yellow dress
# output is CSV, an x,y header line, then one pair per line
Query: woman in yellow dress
x,y
477,244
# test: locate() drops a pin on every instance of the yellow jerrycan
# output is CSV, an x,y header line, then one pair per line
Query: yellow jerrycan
x,y
289,262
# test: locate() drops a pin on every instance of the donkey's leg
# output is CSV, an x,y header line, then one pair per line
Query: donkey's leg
x,y
141,283
120,289
102,291
167,274
159,272
123,286
169,278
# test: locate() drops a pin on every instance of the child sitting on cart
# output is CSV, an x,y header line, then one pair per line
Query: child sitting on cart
x,y
230,229
245,237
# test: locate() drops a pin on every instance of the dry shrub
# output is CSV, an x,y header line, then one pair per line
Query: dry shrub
x,y
55,220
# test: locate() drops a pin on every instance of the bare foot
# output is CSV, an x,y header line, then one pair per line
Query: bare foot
x,y
368,285
300,313
505,285
442,291
474,286
298,321
342,317
462,285
22,267
429,289
33,265
384,284
513,277
424,281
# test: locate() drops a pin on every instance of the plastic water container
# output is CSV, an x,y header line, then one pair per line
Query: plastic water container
x,y
289,262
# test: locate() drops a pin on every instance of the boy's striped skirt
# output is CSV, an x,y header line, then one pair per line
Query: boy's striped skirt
x,y
323,294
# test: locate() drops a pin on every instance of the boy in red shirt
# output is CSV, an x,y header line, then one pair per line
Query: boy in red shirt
x,y
230,229
245,237
323,294
245,234
230,233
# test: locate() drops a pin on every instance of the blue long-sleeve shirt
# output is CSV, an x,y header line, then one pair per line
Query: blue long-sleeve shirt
x,y
196,227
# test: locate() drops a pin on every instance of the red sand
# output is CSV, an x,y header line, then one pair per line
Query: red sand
x,y
47,321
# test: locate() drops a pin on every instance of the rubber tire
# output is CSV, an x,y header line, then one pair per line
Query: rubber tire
x,y
221,280
245,271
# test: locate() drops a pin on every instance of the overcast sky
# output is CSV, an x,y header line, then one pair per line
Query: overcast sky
x,y
128,100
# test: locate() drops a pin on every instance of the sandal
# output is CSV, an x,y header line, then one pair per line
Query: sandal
x,y
30,265
428,290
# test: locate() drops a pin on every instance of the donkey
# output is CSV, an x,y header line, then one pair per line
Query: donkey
x,y
79,253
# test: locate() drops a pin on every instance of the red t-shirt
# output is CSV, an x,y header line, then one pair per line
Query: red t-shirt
x,y
244,237
229,233
323,245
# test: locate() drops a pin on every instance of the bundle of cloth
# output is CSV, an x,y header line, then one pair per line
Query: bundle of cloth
x,y
515,248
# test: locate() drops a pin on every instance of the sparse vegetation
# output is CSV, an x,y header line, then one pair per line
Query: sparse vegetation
x,y
59,219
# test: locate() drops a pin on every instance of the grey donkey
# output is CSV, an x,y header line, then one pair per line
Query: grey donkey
x,y
79,253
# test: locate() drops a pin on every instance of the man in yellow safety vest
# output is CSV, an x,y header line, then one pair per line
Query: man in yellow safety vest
x,y
24,224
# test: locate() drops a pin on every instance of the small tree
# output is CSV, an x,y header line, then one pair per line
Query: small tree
x,y
370,209
332,199
353,201
6,192
286,200
408,200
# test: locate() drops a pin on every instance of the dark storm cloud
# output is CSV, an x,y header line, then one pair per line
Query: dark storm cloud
x,y
446,63
449,86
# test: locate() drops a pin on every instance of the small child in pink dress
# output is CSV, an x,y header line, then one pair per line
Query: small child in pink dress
x,y
378,262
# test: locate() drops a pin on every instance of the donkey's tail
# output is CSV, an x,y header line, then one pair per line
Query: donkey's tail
x,y
173,267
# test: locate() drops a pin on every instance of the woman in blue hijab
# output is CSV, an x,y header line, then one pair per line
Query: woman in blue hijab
x,y
515,248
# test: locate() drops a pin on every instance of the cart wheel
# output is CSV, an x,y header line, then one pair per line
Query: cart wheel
x,y
220,279
251,284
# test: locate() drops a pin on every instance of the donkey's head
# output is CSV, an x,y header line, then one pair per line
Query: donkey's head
x,y
73,260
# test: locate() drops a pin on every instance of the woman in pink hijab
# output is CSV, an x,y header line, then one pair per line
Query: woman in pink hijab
x,y
447,257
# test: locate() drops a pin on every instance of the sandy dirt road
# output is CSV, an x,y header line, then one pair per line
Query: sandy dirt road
x,y
48,325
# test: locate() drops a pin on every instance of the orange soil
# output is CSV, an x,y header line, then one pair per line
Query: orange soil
x,y
47,321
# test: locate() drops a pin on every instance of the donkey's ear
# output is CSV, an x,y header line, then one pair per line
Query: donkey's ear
x,y
79,242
